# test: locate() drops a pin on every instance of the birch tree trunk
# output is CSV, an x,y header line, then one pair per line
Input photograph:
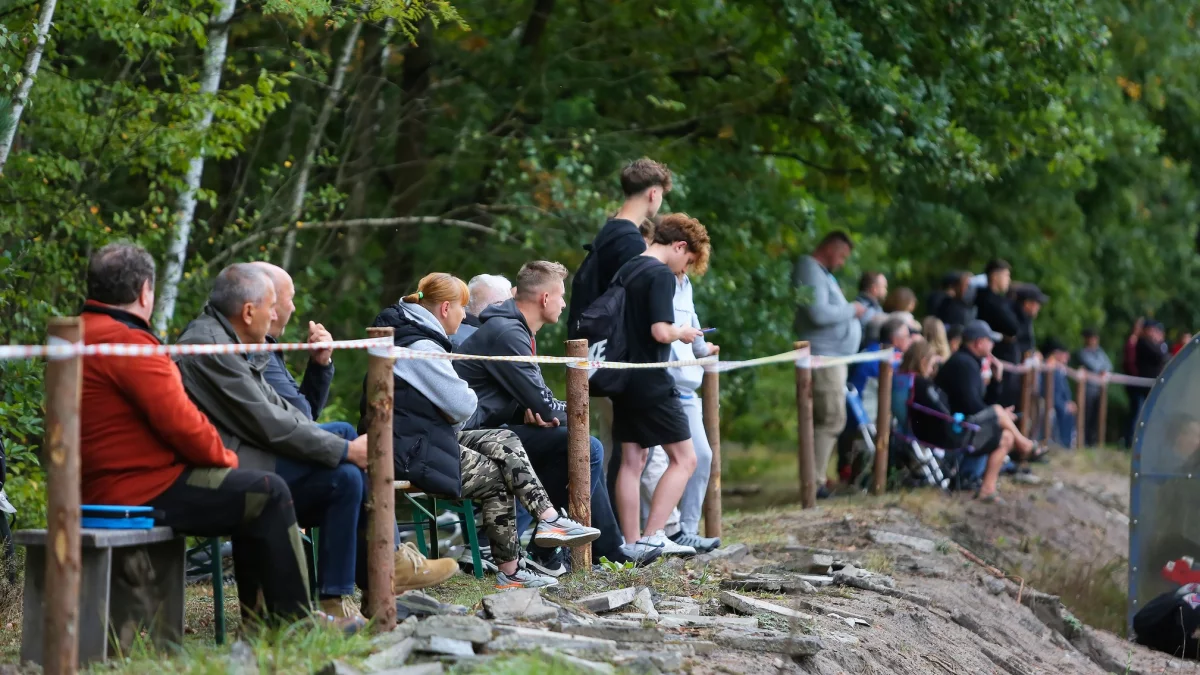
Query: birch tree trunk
x,y
185,204
336,83
28,72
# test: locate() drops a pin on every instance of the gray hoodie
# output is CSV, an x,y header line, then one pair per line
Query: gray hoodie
x,y
828,322
687,378
435,378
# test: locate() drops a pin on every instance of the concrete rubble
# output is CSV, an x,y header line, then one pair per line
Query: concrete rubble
x,y
609,600
917,543
524,604
748,605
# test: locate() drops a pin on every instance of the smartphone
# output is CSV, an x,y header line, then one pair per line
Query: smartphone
x,y
706,331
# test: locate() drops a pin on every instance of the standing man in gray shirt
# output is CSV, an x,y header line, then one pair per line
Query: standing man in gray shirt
x,y
831,325
1094,360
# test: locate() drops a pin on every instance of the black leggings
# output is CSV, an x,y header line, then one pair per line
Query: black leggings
x,y
254,509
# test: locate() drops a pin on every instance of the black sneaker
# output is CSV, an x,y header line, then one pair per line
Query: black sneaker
x,y
639,555
485,557
701,544
549,562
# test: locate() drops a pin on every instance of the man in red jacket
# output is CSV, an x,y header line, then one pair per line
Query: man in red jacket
x,y
144,443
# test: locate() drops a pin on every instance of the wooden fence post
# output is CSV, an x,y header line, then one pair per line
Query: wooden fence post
x,y
381,475
1048,403
1027,381
883,428
579,451
60,646
1081,409
1102,419
804,434
710,393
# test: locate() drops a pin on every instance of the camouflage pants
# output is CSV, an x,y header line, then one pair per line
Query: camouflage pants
x,y
495,468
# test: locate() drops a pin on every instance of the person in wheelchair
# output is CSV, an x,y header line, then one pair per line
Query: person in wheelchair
x,y
932,421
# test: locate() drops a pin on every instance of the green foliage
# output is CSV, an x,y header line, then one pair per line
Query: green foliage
x,y
1059,135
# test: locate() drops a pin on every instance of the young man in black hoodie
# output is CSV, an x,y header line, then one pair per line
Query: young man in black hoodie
x,y
515,395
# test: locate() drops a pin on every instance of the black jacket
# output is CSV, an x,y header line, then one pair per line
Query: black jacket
x,y
954,312
926,427
1151,357
424,444
506,390
961,378
1001,316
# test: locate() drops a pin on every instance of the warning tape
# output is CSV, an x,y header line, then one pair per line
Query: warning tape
x,y
1074,374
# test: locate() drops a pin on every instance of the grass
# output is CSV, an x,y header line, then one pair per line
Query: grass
x,y
1094,590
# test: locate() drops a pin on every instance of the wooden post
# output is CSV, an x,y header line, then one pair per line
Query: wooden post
x,y
1027,381
60,646
883,428
1102,420
710,393
381,501
804,434
579,451
1048,404
1081,409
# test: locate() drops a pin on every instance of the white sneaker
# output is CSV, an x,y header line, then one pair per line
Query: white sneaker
x,y
659,540
5,506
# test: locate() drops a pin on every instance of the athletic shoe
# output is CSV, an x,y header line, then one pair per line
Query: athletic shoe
x,y
562,531
414,571
701,544
523,579
553,563
659,539
485,558
640,556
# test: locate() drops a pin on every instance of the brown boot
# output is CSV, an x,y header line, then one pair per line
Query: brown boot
x,y
341,614
415,571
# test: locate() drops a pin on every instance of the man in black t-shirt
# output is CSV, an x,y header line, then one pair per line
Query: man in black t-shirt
x,y
649,412
645,183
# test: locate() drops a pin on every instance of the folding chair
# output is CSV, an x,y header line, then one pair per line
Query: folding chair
x,y
424,508
933,465
864,459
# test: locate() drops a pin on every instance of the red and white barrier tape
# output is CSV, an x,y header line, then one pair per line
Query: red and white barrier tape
x,y
1075,374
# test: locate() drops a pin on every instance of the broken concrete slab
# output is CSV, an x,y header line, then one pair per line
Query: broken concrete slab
x,y
437,644
522,638
582,664
416,603
916,543
698,647
648,662
392,657
645,603
775,642
770,583
682,621
616,630
433,668
867,584
609,600
678,608
830,612
404,629
525,604
469,628
748,605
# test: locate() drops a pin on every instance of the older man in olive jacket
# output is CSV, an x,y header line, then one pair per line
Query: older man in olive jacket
x,y
323,470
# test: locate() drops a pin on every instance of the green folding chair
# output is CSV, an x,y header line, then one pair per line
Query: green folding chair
x,y
424,509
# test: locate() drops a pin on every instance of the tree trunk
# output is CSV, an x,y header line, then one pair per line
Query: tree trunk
x,y
336,82
185,205
28,72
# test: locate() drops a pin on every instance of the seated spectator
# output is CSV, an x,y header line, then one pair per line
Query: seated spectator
x,y
955,309
486,290
323,470
961,378
432,407
143,442
921,362
864,377
954,336
934,332
1094,360
515,395
683,525
1063,406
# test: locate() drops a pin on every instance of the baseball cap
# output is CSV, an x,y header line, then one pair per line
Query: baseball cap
x,y
1032,292
979,328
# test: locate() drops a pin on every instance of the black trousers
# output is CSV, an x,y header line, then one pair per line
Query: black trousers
x,y
254,509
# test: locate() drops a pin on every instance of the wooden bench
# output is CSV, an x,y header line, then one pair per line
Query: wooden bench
x,y
130,580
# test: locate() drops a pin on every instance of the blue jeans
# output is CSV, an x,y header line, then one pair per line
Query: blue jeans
x,y
547,450
333,500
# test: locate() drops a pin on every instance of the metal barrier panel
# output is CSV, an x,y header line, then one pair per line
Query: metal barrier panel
x,y
1164,504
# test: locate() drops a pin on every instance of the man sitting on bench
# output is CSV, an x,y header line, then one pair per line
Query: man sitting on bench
x,y
144,443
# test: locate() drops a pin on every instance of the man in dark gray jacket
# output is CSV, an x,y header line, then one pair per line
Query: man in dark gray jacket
x,y
323,470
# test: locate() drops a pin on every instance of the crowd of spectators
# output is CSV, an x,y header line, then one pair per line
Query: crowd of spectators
x,y
975,328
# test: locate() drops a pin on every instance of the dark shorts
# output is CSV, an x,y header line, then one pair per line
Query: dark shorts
x,y
661,421
987,438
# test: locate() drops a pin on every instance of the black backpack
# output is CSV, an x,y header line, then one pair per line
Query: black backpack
x,y
585,287
602,324
1169,622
